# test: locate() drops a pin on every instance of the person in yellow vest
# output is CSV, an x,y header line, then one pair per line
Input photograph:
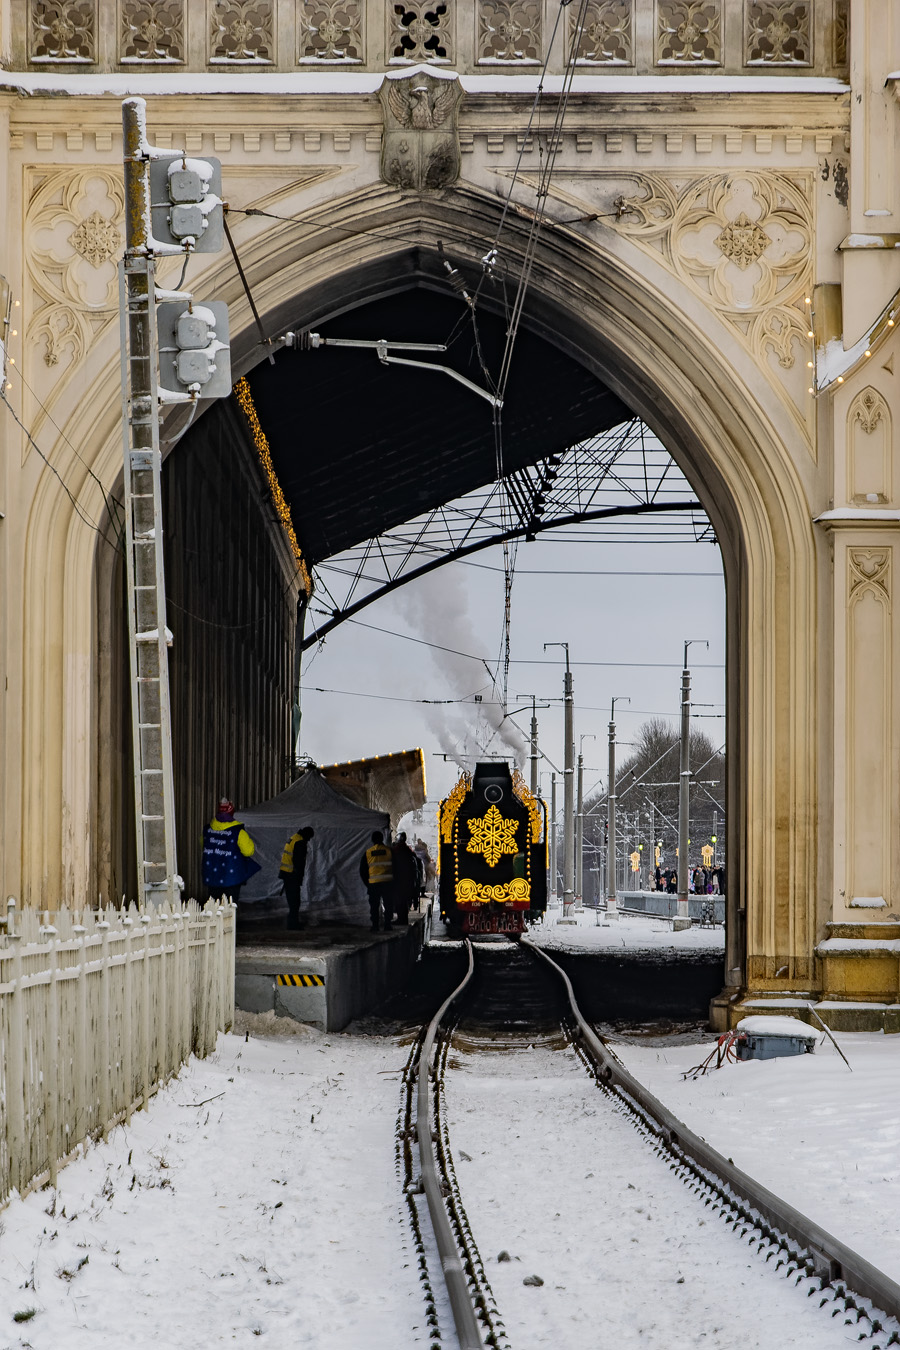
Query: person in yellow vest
x,y
293,866
227,854
376,870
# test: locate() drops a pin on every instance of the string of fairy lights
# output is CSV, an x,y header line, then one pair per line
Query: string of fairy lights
x,y
279,501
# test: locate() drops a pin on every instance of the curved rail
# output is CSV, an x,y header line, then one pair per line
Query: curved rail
x,y
464,1316
832,1259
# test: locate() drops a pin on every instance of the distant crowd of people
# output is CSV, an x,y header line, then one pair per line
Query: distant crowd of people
x,y
395,875
701,880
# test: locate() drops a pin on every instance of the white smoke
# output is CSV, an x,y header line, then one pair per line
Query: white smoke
x,y
437,610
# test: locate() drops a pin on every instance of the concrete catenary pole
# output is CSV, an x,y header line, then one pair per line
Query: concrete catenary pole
x,y
579,824
534,748
684,786
569,796
553,835
611,908
568,785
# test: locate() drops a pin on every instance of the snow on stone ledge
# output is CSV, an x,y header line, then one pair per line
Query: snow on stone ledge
x,y
361,82
777,1026
890,946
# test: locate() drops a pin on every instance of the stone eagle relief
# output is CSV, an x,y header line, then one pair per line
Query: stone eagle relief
x,y
421,140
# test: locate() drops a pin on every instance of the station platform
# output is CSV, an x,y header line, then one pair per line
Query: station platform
x,y
326,975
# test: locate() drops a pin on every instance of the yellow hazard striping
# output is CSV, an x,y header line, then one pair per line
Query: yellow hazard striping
x,y
303,980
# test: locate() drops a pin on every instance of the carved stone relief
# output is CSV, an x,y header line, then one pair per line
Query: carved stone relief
x,y
869,450
152,32
421,31
689,32
330,30
63,32
421,137
778,33
868,409
509,31
606,38
96,239
840,34
58,332
73,223
742,240
870,572
870,762
242,31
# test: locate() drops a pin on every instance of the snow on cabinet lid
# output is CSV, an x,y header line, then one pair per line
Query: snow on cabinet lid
x,y
776,1026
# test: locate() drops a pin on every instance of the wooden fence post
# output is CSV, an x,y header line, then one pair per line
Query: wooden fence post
x,y
82,1077
51,1057
162,1012
205,981
145,1012
103,1029
128,1017
15,1073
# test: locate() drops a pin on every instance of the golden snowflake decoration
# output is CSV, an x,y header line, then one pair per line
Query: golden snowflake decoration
x,y
492,836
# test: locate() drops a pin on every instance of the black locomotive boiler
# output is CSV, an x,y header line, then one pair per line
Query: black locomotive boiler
x,y
493,852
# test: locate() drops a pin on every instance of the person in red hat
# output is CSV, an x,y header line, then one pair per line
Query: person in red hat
x,y
227,854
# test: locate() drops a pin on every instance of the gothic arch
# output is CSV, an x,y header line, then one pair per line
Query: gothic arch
x,y
657,345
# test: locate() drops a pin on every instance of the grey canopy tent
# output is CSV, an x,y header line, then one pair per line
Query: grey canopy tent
x,y
332,888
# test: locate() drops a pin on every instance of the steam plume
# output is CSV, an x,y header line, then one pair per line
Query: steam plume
x,y
437,608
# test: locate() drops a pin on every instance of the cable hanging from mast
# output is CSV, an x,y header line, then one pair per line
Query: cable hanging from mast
x,y
546,174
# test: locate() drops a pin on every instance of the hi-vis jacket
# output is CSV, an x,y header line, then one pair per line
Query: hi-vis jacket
x,y
375,867
227,854
293,859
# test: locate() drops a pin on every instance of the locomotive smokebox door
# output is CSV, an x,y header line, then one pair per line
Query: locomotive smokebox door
x,y
492,786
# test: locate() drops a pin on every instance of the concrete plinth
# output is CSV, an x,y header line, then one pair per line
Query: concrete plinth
x,y
837,1014
325,976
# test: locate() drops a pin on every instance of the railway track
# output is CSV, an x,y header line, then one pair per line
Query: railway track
x,y
522,996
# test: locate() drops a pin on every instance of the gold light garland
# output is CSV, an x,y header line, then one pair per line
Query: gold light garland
x,y
525,796
245,399
450,807
470,892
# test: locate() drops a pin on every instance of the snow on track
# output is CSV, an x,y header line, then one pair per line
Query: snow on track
x,y
630,1258
272,1211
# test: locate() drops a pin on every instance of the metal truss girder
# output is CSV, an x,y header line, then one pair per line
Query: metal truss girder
x,y
518,531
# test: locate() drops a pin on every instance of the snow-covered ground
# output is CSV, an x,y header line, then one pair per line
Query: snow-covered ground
x,y
558,1178
825,1138
257,1197
633,933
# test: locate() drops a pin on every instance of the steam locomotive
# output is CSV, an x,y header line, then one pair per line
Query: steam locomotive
x,y
493,853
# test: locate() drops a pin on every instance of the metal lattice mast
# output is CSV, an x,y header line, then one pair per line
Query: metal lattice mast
x,y
154,789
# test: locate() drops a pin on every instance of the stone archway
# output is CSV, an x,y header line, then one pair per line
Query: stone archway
x,y
685,372
737,440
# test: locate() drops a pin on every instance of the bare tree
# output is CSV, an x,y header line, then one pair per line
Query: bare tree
x,y
647,797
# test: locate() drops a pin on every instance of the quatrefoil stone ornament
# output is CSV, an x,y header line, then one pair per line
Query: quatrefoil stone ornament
x,y
743,241
96,239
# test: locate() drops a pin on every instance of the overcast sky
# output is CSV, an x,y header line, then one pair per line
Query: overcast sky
x,y
632,626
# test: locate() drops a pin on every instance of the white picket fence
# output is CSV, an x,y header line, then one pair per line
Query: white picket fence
x,y
98,1008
